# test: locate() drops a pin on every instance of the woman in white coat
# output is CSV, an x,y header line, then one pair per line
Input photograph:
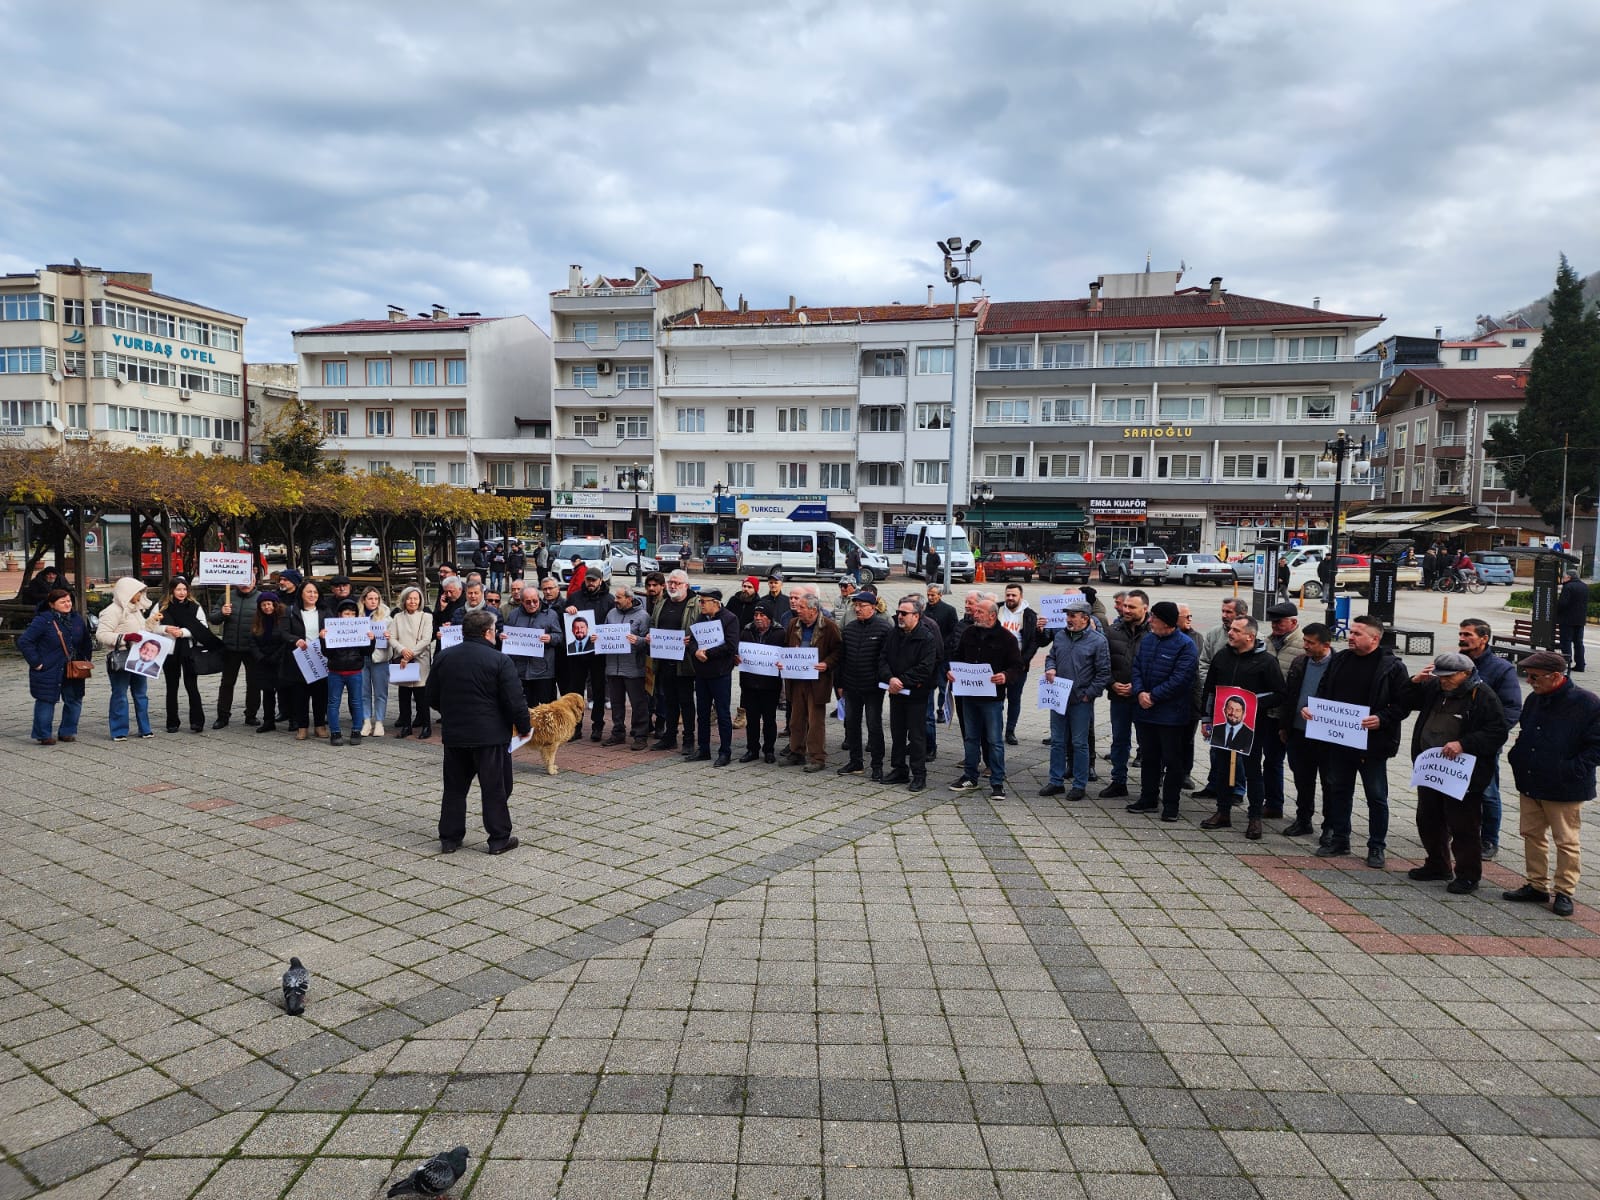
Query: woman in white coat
x,y
411,641
123,623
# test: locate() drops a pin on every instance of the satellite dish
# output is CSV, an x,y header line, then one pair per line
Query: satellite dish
x,y
55,423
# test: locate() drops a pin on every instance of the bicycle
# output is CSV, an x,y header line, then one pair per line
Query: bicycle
x,y
1451,582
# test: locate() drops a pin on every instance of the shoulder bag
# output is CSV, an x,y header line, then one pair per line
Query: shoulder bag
x,y
77,668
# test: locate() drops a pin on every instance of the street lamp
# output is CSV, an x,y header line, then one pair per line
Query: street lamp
x,y
717,490
1300,493
957,270
637,482
982,493
1336,452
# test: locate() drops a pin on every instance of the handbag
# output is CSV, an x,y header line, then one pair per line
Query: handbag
x,y
77,668
206,659
117,660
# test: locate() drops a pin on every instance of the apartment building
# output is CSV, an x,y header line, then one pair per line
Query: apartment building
x,y
606,365
1150,413
840,413
87,353
458,399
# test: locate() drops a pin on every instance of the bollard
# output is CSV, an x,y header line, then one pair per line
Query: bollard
x,y
1235,587
1444,617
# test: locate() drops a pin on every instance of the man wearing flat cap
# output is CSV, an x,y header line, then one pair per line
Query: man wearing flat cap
x,y
1457,713
1553,762
1079,653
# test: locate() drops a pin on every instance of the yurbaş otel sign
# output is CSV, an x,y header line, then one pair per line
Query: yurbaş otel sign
x,y
150,346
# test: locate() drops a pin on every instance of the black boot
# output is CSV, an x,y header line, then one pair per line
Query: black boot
x,y
426,731
403,731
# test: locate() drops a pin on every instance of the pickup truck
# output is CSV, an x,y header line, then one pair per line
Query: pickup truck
x,y
1352,576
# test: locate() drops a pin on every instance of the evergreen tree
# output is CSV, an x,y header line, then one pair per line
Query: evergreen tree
x,y
295,442
1563,405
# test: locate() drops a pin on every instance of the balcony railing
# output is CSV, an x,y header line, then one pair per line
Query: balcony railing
x,y
1449,489
1181,361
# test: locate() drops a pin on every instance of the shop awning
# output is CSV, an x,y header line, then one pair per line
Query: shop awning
x,y
1376,521
1025,516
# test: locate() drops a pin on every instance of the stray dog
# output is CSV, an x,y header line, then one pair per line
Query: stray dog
x,y
553,725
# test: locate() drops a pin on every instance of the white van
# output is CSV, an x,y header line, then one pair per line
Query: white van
x,y
803,548
921,536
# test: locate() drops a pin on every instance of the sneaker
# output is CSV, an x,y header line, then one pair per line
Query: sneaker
x,y
638,743
964,784
1490,849
897,777
997,791
1526,894
120,738
1053,789
1139,806
1427,874
147,735
813,768
1332,850
1376,860
1563,903
1076,794
1461,887
355,739
853,769
1114,792
337,739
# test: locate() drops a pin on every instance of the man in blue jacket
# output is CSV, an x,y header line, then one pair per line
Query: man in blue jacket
x,y
1553,762
1164,667
1078,653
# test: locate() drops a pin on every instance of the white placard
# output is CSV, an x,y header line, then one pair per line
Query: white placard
x,y
410,672
667,644
311,663
148,655
1054,695
758,658
380,633
1336,722
233,569
972,679
612,639
342,632
522,641
1452,776
707,634
1053,612
838,708
797,662
580,631
518,742
449,635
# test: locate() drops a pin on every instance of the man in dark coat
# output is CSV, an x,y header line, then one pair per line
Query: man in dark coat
x,y
908,663
1572,612
988,642
858,684
1247,664
1161,684
713,679
1023,622
940,617
1122,640
477,687
1499,674
587,672
236,615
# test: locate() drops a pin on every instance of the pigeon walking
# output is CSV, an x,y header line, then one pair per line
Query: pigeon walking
x,y
434,1177
295,982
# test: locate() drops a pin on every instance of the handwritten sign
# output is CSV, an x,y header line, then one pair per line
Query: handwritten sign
x,y
449,635
758,658
311,663
343,632
797,662
707,634
668,644
1337,722
410,672
612,639
522,641
1452,776
1054,696
380,633
235,570
972,679
1053,612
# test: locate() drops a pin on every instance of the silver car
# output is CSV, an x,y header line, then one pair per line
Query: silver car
x,y
1199,568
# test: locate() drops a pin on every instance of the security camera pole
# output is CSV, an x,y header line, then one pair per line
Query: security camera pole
x,y
957,268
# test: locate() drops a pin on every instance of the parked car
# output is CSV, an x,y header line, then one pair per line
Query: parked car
x,y
1129,564
595,552
1244,567
1494,568
672,555
1353,575
363,551
324,554
1065,566
722,559
624,560
1007,564
1200,568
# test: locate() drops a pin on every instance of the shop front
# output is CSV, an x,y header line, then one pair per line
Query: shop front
x,y
593,512
1240,526
1118,521
1177,529
1036,529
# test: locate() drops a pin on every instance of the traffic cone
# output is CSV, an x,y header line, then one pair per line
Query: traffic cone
x,y
978,575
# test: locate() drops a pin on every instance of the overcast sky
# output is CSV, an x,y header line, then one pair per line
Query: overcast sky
x,y
300,163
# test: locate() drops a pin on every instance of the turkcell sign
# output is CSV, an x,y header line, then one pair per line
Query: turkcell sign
x,y
161,349
782,510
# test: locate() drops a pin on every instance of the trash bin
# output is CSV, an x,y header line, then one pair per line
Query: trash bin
x,y
1341,616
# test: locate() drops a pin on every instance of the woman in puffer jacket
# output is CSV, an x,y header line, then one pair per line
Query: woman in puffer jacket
x,y
123,622
375,675
267,649
411,641
183,620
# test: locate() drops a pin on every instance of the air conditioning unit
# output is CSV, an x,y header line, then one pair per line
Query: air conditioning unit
x,y
118,380
184,394
55,376
602,417
184,443
216,447
603,367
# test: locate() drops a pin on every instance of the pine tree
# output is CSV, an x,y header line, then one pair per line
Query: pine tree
x,y
295,443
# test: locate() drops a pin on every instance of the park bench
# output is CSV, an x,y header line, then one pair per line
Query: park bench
x,y
1518,645
1408,641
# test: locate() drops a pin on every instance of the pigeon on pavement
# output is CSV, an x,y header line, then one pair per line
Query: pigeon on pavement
x,y
434,1177
295,982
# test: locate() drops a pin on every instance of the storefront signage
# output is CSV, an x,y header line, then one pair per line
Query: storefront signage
x,y
12,431
161,349
784,508
1157,431
593,498
1118,509
563,513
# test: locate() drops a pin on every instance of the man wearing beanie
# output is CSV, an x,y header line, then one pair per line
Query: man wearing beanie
x,y
742,604
1457,713
1164,666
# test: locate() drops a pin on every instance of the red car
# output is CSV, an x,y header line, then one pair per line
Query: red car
x,y
1008,564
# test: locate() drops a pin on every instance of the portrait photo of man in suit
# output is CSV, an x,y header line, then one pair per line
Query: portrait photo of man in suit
x,y
1232,733
579,639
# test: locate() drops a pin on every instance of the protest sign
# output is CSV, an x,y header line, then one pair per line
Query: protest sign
x,y
667,644
580,632
972,679
758,658
449,635
707,634
1054,695
1452,776
522,642
612,639
311,663
235,570
410,672
149,656
797,662
1337,722
518,742
342,632
1053,612
1233,720
380,633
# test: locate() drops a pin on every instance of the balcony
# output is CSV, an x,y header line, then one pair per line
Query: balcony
x,y
607,439
1449,489
589,399
578,350
386,394
1303,370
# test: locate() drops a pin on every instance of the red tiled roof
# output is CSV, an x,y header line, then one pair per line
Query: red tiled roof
x,y
1188,307
416,325
842,315
1464,383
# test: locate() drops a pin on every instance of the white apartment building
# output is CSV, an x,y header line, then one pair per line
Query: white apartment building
x,y
841,413
87,353
459,399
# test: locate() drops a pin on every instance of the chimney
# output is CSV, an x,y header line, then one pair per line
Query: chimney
x,y
1316,302
638,274
1521,379
1094,296
744,305
1216,292
440,312
1438,333
930,295
791,304
575,278
396,313
699,270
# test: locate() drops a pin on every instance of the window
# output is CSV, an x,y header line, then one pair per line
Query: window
x,y
635,425
1012,356
1180,466
1181,409
1247,408
633,331
377,466
936,360
1114,409
1494,476
886,364
741,475
585,475
378,372
1005,466
1422,431
1417,477
882,419
1060,355
741,420
1007,412
456,473
634,377
835,420
380,422
585,377
78,416
1400,434
1244,466
30,360
229,431
585,425
32,306
1469,354
1251,349
792,420
1312,349
1184,352
833,476
1064,410
880,474
1300,466
140,420
132,318
536,475
1124,354
455,372
203,333
73,362
1060,466
933,416
1399,480
193,426
455,422
503,474
1444,475
791,475
424,372
1310,408
22,412
691,420
1516,343
425,422
691,474
334,374
1122,466
929,471
425,472
586,331
336,422
72,313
